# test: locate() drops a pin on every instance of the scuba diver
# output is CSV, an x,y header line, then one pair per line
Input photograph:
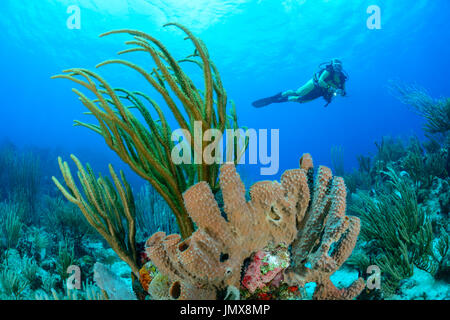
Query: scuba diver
x,y
328,82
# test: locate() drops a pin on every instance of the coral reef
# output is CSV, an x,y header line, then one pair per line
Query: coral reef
x,y
282,240
11,224
107,207
389,149
20,174
35,253
281,212
265,269
278,213
146,275
158,288
12,284
326,237
113,287
147,146
398,227
435,111
403,206
153,214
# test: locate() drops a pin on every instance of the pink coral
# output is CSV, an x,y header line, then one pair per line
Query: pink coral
x,y
264,269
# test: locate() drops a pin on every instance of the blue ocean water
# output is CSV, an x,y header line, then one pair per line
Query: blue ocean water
x,y
261,47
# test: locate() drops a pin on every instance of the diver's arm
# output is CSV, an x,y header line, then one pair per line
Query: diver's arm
x,y
328,85
322,83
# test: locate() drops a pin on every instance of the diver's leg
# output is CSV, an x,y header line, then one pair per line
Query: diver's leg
x,y
273,99
305,89
305,93
308,95
289,95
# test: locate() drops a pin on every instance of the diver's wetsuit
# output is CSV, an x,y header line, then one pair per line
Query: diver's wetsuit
x,y
316,91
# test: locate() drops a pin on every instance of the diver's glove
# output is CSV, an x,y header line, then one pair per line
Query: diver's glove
x,y
340,92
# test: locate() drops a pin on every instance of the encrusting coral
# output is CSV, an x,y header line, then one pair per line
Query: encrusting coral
x,y
266,268
278,213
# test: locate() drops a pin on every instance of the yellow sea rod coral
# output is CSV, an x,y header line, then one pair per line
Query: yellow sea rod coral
x,y
137,128
277,213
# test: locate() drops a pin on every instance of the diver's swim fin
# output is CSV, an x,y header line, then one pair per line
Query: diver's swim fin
x,y
266,101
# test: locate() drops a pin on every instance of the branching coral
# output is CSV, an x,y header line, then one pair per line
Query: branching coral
x,y
67,221
152,213
30,272
364,163
442,257
107,206
278,213
21,177
400,230
146,147
390,149
64,260
12,283
435,111
10,224
423,168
